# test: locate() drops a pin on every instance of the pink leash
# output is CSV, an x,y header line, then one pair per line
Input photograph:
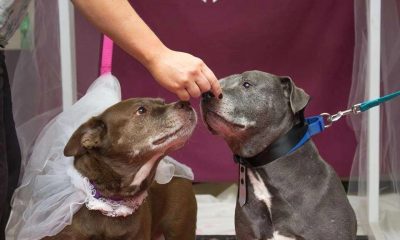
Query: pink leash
x,y
106,55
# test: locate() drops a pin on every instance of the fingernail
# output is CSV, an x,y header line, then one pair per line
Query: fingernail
x,y
220,96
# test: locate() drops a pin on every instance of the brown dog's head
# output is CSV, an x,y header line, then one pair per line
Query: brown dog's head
x,y
119,149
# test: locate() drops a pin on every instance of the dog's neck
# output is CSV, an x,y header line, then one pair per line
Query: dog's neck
x,y
117,181
256,143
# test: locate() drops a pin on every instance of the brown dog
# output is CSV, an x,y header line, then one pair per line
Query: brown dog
x,y
118,151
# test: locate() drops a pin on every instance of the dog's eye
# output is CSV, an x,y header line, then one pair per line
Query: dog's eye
x,y
141,110
246,84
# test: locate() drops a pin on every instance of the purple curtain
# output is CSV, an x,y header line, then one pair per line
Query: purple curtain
x,y
312,41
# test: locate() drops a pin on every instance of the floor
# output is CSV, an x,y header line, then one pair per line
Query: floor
x,y
233,238
216,207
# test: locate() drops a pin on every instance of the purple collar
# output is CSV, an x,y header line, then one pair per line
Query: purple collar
x,y
113,206
98,195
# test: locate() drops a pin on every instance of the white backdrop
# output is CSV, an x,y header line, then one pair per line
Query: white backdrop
x,y
389,196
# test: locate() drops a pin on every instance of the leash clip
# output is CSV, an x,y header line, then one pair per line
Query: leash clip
x,y
330,119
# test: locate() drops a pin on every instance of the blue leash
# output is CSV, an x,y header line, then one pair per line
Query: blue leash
x,y
372,103
316,124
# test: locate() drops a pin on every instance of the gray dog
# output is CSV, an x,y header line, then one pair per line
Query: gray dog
x,y
296,196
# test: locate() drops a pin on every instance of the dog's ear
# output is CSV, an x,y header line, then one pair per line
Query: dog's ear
x,y
297,97
89,135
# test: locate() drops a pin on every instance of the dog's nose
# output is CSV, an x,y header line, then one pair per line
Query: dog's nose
x,y
182,105
207,95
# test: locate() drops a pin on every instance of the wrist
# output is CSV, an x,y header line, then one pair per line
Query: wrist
x,y
152,56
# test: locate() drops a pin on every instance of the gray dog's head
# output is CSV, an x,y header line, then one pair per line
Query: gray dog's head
x,y
256,108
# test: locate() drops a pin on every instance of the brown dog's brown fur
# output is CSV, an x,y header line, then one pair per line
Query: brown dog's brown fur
x,y
170,209
103,150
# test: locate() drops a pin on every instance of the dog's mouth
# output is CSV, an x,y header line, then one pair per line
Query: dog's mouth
x,y
167,136
173,139
211,114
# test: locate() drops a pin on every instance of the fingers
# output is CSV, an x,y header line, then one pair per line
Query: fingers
x,y
183,95
197,84
213,81
192,79
193,89
203,84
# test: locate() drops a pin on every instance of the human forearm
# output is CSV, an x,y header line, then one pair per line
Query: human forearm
x,y
181,73
118,20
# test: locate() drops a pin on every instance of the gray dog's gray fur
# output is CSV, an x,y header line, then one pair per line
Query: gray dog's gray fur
x,y
298,196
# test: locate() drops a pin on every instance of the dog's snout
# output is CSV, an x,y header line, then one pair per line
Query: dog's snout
x,y
207,95
183,105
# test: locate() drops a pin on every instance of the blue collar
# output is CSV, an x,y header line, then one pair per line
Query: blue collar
x,y
315,125
286,144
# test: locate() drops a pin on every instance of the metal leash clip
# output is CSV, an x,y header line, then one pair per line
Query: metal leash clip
x,y
330,119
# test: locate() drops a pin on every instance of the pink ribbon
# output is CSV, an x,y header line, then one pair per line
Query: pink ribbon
x,y
106,55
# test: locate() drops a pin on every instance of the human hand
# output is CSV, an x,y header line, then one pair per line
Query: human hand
x,y
183,74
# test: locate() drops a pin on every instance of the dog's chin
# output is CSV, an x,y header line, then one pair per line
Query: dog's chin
x,y
219,125
177,138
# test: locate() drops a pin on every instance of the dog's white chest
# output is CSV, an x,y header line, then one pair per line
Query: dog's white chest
x,y
260,189
277,236
262,194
